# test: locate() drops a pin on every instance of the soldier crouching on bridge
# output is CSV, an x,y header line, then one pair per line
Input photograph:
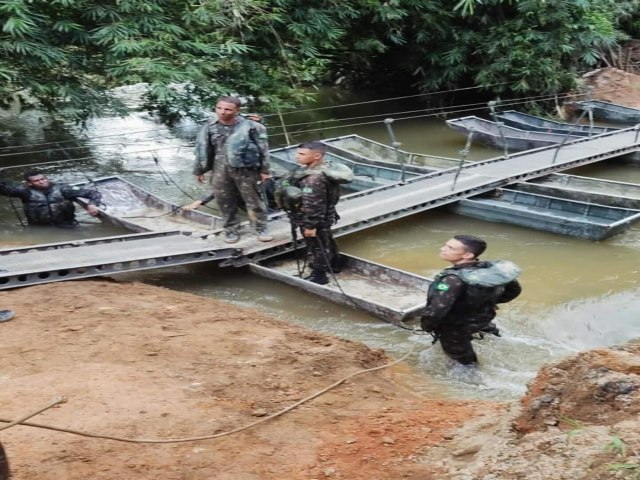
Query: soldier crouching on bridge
x,y
462,300
48,203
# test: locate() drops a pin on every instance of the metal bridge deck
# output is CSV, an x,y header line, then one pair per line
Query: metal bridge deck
x,y
358,211
86,258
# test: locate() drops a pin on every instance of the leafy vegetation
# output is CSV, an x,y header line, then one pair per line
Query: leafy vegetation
x,y
65,55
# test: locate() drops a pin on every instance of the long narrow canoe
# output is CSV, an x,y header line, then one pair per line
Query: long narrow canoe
x,y
611,112
499,136
566,217
584,189
524,121
384,292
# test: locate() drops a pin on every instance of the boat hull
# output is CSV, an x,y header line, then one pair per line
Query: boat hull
x,y
390,294
611,112
551,214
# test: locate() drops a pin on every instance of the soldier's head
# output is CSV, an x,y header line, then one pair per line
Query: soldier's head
x,y
310,154
36,179
462,249
227,109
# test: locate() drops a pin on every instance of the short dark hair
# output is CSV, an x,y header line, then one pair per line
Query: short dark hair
x,y
315,145
32,173
472,244
229,99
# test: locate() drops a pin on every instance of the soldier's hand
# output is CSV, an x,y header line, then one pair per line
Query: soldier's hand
x,y
93,210
200,178
309,232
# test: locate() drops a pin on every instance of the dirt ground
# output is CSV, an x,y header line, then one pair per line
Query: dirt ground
x,y
142,362
135,361
615,86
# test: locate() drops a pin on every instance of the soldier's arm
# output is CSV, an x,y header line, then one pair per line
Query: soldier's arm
x,y
202,151
263,145
511,291
442,296
12,189
93,196
72,193
314,201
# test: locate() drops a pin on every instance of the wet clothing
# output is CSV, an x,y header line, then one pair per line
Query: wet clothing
x,y
237,155
462,300
53,206
317,209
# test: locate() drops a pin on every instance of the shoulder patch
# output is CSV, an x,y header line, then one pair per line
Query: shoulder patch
x,y
442,287
307,190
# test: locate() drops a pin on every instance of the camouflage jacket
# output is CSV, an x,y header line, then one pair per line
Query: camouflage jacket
x,y
245,147
468,294
53,206
319,198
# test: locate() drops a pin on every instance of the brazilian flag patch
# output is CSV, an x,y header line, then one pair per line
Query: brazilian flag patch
x,y
307,190
442,287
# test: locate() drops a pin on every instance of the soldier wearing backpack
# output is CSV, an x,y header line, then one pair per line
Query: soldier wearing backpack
x,y
309,195
462,299
236,151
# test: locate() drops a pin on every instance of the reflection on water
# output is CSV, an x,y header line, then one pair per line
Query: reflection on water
x,y
577,294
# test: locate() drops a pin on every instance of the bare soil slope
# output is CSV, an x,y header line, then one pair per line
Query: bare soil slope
x,y
138,361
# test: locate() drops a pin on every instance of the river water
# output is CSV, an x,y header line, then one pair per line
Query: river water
x,y
577,294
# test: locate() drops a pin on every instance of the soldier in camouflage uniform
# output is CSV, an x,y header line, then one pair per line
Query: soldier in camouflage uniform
x,y
316,212
47,203
462,300
236,150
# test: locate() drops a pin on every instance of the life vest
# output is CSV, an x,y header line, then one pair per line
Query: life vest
x,y
485,283
288,194
48,207
242,148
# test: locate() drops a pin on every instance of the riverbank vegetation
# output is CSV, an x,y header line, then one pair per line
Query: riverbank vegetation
x,y
64,56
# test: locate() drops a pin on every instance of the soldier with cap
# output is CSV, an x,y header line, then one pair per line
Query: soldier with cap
x,y
48,203
236,151
462,299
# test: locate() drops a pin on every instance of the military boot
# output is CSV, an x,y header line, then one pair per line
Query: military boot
x,y
318,277
231,237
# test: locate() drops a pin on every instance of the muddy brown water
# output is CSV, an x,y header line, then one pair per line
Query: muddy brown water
x,y
577,294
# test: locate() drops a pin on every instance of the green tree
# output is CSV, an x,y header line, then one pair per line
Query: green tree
x,y
65,55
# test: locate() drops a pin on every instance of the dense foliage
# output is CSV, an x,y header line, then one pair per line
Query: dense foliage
x,y
66,55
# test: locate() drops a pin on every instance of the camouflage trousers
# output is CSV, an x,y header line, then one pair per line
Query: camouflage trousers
x,y
456,343
323,248
232,186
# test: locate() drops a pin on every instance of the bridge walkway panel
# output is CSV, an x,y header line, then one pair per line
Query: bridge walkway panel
x,y
86,258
